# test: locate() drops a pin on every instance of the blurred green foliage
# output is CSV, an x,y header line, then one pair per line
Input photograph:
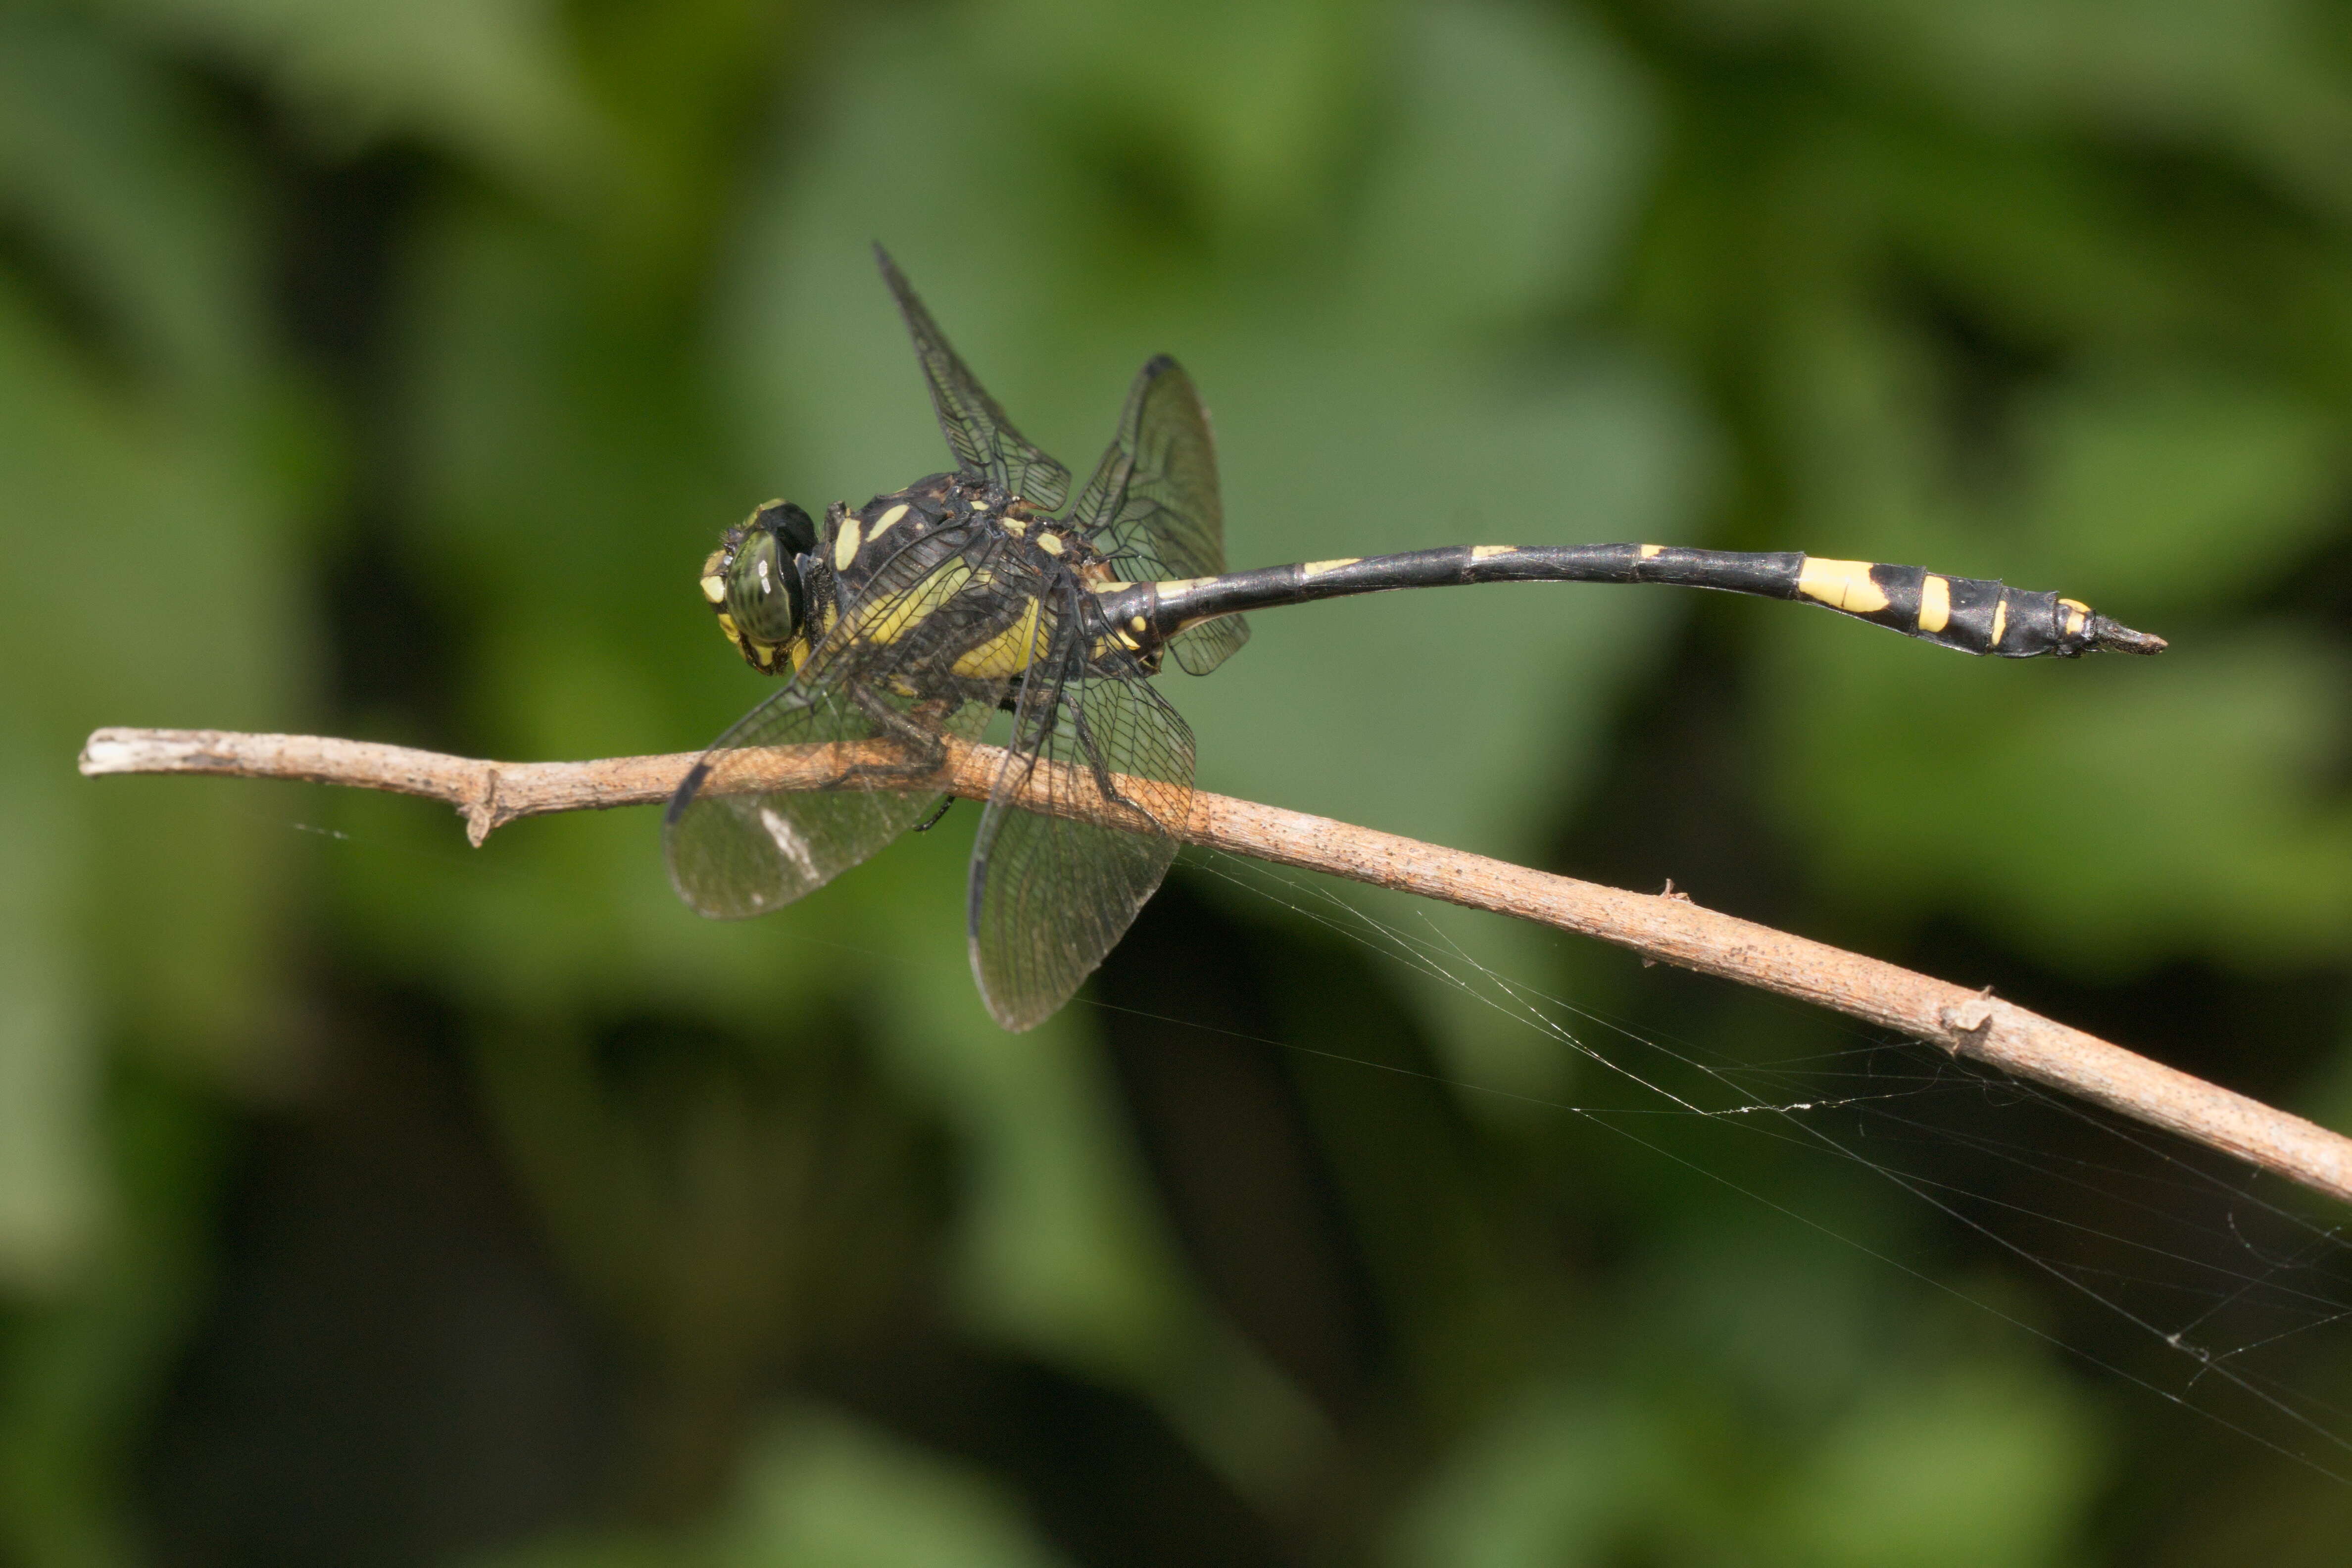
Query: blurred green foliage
x,y
386,369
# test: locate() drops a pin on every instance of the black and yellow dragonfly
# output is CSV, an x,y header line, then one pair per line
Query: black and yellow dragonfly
x,y
925,612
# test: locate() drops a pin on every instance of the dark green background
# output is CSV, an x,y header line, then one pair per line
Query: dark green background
x,y
386,369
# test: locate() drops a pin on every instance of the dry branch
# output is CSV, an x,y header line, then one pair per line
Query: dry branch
x,y
1671,930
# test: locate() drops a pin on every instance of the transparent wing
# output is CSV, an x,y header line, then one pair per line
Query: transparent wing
x,y
1051,895
1153,497
873,700
1153,505
734,854
985,443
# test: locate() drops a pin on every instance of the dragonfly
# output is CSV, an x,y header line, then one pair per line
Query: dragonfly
x,y
920,616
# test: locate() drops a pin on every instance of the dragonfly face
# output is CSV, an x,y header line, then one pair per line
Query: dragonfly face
x,y
756,582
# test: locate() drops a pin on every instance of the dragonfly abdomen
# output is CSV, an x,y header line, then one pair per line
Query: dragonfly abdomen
x,y
1971,614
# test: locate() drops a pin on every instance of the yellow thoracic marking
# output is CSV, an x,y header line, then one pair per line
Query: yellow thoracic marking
x,y
1481,551
980,506
2000,621
1842,586
1116,588
1006,654
1935,603
1051,544
887,619
1016,526
1651,551
1138,622
1317,568
887,518
714,588
799,649
845,545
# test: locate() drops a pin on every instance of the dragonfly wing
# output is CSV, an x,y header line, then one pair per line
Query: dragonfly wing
x,y
985,443
878,692
1153,505
735,853
1052,894
1200,649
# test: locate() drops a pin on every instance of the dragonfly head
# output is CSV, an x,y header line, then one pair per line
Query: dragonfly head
x,y
753,583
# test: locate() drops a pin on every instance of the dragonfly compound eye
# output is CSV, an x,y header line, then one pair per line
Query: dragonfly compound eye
x,y
789,523
763,587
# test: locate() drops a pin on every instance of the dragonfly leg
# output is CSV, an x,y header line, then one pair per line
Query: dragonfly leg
x,y
925,751
1105,785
